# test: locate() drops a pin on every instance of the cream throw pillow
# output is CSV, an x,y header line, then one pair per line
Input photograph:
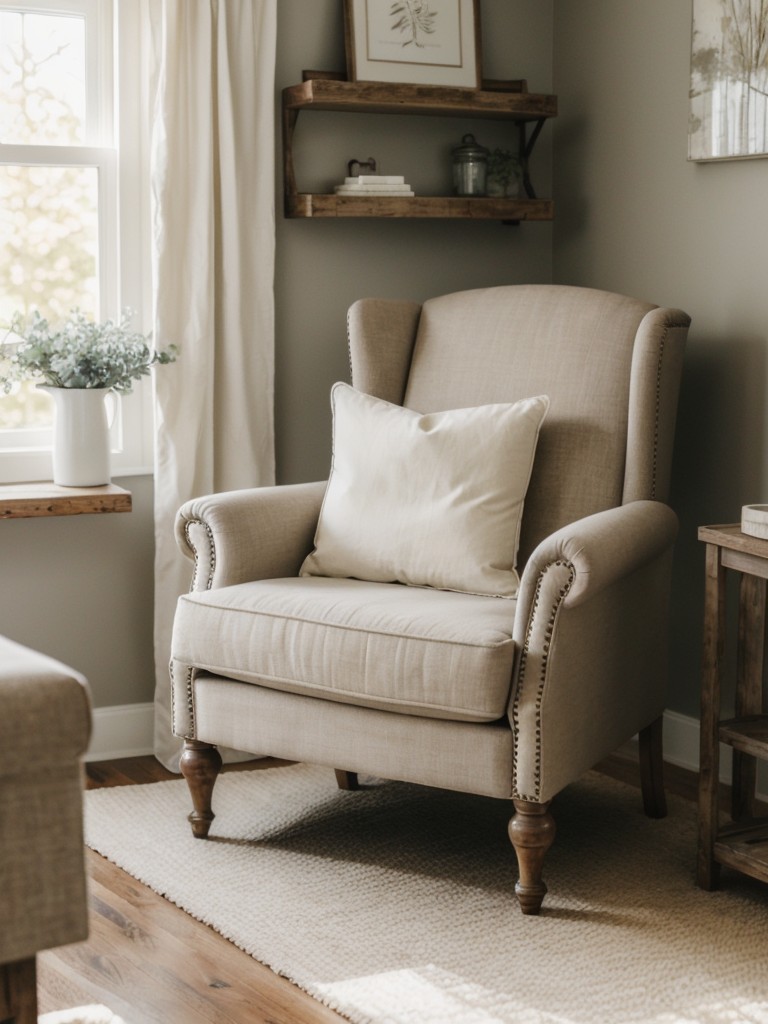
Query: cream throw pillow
x,y
430,500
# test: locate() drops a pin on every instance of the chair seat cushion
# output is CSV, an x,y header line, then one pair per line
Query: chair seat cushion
x,y
412,650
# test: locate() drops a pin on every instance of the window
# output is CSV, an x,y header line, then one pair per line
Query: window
x,y
70,165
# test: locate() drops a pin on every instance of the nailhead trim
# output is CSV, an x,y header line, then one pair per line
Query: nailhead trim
x,y
541,683
654,466
196,573
659,369
190,704
190,733
349,348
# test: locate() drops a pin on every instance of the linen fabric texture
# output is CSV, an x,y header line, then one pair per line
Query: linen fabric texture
x,y
45,725
431,499
412,650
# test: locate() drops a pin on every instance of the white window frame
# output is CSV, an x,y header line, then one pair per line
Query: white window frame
x,y
117,144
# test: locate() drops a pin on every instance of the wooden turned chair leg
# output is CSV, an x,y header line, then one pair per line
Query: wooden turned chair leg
x,y
200,766
652,769
18,991
532,832
346,780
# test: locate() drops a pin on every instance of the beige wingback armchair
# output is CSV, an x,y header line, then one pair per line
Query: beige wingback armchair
x,y
532,691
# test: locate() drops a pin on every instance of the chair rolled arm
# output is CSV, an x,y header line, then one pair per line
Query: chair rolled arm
x,y
260,533
601,549
591,612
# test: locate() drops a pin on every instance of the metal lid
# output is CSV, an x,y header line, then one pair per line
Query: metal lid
x,y
470,149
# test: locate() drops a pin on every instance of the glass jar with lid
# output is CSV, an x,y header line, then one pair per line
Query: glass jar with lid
x,y
470,167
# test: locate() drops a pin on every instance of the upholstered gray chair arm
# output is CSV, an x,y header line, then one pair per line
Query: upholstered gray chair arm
x,y
591,613
237,536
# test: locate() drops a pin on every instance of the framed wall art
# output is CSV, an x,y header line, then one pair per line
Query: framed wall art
x,y
729,80
422,42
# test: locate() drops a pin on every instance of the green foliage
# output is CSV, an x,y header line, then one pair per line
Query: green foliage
x,y
503,172
79,353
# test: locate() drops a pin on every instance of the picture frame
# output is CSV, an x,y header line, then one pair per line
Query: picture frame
x,y
419,42
728,117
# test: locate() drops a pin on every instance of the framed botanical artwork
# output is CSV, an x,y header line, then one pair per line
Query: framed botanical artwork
x,y
423,42
729,80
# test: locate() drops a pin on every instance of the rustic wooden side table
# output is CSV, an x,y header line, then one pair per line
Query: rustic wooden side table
x,y
742,843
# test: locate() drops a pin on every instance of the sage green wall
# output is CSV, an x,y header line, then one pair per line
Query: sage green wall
x,y
80,589
324,265
634,216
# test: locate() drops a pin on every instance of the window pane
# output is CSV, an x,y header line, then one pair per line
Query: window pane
x,y
48,259
42,79
25,407
48,240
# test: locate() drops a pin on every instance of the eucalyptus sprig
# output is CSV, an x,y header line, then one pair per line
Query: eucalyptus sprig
x,y
79,353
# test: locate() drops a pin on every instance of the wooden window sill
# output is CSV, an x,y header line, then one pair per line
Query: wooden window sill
x,y
24,501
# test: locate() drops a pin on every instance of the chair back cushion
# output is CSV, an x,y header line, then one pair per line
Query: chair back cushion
x,y
583,348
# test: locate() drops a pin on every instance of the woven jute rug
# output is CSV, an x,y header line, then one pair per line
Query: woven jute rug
x,y
395,904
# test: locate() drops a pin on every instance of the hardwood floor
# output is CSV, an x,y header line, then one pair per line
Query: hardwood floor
x,y
151,963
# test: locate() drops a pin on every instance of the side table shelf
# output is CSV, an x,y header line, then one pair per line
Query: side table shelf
x,y
741,843
750,735
743,847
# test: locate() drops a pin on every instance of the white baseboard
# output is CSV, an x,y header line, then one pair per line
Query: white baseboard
x,y
127,731
681,742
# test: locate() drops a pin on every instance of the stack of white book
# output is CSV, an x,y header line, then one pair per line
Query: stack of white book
x,y
374,185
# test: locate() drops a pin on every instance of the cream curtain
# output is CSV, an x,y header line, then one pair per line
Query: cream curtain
x,y
212,190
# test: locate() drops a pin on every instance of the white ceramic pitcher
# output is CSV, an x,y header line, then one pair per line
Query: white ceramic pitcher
x,y
80,436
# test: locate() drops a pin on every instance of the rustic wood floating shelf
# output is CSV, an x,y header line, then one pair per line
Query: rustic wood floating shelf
x,y
528,111
308,205
31,501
